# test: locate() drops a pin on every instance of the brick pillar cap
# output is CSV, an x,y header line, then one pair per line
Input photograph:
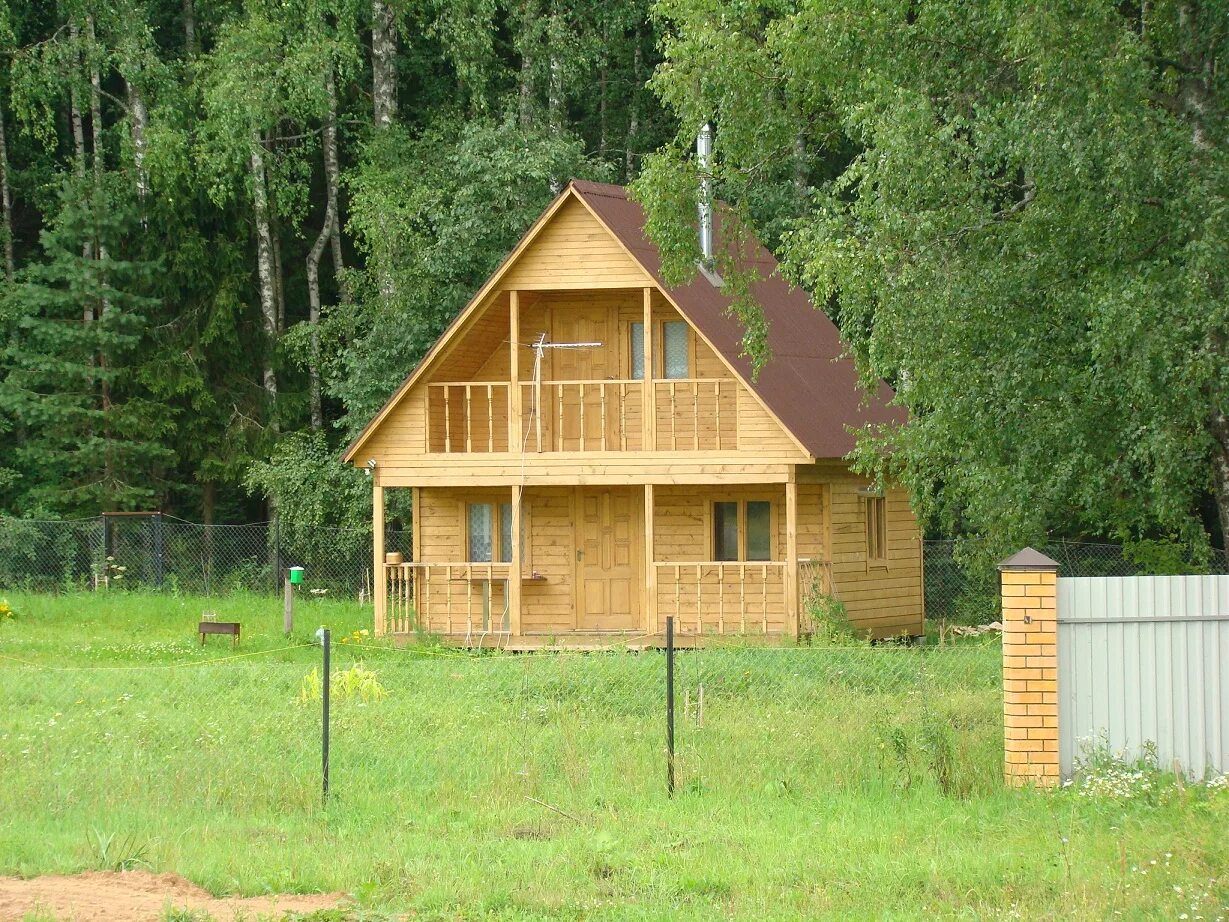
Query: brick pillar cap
x,y
1028,559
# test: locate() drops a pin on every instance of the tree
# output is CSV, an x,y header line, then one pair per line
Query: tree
x,y
1019,219
92,438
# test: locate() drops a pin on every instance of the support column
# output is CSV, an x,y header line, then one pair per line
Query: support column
x,y
650,571
649,411
792,613
516,436
1030,668
515,573
379,577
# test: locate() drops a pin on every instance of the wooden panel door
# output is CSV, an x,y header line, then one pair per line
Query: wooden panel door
x,y
579,409
608,555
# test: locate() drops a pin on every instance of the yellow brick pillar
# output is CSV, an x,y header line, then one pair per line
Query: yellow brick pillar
x,y
1030,668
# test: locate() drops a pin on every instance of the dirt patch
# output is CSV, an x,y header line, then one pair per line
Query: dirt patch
x,y
138,896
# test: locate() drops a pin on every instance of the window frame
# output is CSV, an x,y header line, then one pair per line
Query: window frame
x,y
875,520
741,504
659,353
499,509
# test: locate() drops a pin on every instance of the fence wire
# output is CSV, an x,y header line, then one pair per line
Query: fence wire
x,y
161,552
516,737
967,591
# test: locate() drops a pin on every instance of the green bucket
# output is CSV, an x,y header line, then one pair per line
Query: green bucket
x,y
296,576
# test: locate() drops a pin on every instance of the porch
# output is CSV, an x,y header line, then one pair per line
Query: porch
x,y
607,565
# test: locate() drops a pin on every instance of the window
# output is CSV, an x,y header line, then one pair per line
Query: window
x,y
677,362
637,352
742,531
725,531
490,532
876,529
676,349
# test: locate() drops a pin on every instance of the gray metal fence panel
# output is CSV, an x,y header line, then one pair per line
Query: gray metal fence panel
x,y
1143,668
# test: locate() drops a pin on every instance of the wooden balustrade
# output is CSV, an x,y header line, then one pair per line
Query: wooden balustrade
x,y
696,414
582,415
468,417
447,598
723,598
691,414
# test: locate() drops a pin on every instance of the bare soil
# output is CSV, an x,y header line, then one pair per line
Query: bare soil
x,y
138,896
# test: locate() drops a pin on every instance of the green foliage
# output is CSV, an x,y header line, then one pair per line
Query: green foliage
x,y
92,435
435,214
1015,215
828,623
356,682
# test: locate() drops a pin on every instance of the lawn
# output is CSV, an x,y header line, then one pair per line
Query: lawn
x,y
811,783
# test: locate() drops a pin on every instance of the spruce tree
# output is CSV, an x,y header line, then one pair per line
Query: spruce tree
x,y
85,437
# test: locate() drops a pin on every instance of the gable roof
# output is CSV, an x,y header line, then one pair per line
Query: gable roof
x,y
807,384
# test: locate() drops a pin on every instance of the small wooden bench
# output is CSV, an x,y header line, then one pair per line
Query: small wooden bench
x,y
219,627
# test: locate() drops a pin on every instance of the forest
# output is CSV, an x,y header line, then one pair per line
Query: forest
x,y
231,227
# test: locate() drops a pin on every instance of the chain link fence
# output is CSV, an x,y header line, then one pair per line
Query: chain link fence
x,y
155,551
518,738
160,552
966,591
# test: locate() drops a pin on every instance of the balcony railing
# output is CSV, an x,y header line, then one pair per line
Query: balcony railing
x,y
688,414
583,415
468,417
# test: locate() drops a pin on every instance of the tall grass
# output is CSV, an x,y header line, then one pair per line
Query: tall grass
x,y
813,783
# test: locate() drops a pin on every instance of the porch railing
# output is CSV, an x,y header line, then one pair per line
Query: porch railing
x,y
468,417
726,598
447,598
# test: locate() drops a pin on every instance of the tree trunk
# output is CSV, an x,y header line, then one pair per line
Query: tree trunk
x,y
332,184
383,64
554,88
279,288
601,111
138,125
74,107
1220,470
800,168
189,28
264,268
524,90
6,199
327,232
633,113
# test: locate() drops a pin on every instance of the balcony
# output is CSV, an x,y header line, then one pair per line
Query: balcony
x,y
684,414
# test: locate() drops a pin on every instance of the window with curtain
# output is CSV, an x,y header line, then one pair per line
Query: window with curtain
x,y
725,531
636,348
490,532
675,350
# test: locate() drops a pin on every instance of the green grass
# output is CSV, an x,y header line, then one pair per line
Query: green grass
x,y
820,783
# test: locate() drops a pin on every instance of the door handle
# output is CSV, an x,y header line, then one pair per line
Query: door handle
x,y
580,554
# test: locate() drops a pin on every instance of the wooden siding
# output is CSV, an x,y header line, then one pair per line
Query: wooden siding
x,y
574,251
883,599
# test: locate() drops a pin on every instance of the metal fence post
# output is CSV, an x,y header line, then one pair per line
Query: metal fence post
x,y
670,705
325,733
159,551
277,551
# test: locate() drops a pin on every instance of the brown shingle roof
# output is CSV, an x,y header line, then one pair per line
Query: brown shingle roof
x,y
806,383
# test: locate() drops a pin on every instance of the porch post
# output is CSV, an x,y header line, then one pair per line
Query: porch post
x,y
650,571
379,578
515,435
791,553
514,568
649,411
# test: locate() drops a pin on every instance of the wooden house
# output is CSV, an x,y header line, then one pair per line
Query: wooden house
x,y
588,454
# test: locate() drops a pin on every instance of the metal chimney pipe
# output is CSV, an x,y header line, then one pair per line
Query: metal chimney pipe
x,y
704,152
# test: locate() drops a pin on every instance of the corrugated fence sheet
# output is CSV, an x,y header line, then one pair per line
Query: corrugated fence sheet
x,y
1143,662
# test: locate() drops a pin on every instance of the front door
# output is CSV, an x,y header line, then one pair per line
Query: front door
x,y
608,559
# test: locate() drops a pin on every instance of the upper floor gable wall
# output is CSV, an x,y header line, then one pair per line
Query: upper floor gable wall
x,y
574,250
